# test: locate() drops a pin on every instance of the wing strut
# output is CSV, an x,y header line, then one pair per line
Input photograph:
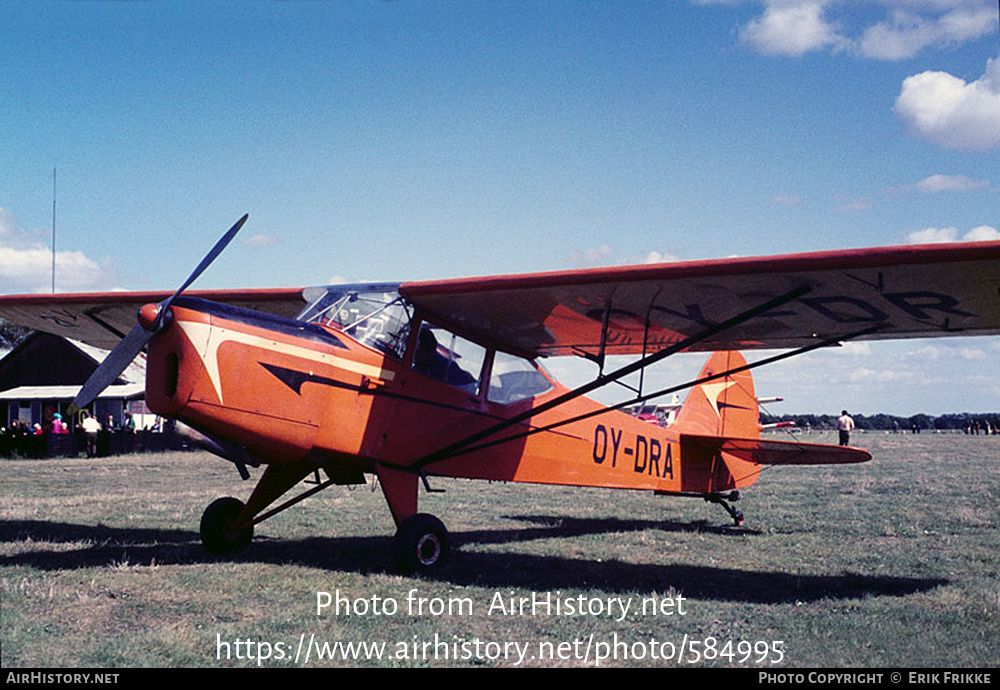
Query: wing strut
x,y
105,325
666,391
604,380
598,359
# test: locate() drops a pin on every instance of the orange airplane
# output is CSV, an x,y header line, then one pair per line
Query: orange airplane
x,y
415,380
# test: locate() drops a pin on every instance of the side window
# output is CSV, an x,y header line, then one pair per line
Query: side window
x,y
514,378
447,357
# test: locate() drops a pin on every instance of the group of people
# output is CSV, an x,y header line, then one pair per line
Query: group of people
x,y
845,425
975,428
16,438
91,428
54,426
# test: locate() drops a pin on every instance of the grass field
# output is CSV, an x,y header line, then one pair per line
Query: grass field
x,y
892,563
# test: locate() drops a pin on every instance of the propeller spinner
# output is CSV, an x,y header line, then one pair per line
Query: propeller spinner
x,y
152,319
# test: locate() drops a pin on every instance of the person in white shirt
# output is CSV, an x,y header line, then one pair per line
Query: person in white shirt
x,y
90,428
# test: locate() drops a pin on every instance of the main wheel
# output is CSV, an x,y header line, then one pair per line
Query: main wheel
x,y
422,544
217,527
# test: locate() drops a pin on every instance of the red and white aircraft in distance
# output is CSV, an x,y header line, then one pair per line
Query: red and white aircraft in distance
x,y
441,378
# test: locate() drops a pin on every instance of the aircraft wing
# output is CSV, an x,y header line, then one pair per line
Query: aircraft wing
x,y
103,319
909,291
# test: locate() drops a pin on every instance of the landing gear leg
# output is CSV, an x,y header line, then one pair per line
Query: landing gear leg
x,y
227,524
422,544
721,499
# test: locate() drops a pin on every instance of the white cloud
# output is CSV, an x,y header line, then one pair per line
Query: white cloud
x,y
26,264
796,27
852,205
260,240
654,258
866,375
949,353
981,233
791,27
11,234
949,183
905,33
787,200
970,354
591,257
932,235
605,256
952,113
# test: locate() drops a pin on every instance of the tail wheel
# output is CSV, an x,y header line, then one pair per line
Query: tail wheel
x,y
422,544
219,532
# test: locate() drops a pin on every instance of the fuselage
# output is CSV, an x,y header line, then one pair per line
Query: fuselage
x,y
288,391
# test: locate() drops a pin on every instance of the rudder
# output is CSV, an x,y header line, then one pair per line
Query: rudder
x,y
725,406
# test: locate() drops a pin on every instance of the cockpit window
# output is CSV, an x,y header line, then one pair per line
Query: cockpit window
x,y
447,357
375,315
514,378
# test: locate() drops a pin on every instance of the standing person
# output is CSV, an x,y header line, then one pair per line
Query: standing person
x,y
90,428
845,425
128,432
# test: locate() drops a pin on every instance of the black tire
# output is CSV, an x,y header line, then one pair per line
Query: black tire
x,y
217,533
422,544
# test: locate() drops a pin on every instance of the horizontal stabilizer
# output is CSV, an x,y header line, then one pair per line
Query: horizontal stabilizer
x,y
766,452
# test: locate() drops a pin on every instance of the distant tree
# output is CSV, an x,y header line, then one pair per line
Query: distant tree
x,y
11,335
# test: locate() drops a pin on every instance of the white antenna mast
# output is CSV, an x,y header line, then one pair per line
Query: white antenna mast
x,y
53,231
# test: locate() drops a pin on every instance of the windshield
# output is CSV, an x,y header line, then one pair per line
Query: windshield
x,y
515,378
372,314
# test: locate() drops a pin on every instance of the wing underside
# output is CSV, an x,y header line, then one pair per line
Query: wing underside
x,y
897,292
894,292
103,319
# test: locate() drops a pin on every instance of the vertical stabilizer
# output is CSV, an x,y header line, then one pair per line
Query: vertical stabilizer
x,y
724,406
715,413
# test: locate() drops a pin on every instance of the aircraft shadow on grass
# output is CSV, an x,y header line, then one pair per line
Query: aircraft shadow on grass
x,y
108,546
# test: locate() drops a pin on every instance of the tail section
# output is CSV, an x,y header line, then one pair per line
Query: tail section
x,y
717,410
725,406
719,425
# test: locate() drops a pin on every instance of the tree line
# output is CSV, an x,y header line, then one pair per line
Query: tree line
x,y
959,421
11,335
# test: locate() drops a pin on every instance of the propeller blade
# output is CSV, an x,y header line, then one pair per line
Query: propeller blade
x,y
133,343
207,261
113,365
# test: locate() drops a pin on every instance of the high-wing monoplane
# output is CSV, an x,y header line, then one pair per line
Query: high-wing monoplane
x,y
410,381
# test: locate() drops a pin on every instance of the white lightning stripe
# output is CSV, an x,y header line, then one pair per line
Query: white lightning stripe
x,y
215,336
713,391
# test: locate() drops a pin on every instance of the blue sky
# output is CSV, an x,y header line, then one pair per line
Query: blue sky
x,y
411,140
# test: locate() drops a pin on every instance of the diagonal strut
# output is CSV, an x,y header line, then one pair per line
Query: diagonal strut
x,y
604,380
